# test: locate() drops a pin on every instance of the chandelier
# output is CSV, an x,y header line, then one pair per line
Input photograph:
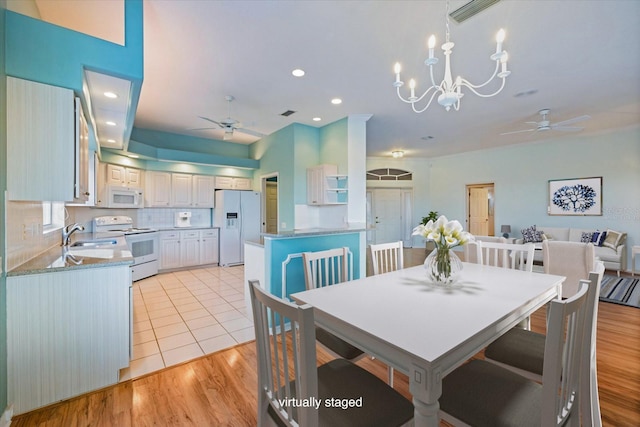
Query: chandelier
x,y
450,91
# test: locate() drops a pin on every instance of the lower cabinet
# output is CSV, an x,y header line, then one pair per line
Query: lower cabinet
x,y
68,333
188,248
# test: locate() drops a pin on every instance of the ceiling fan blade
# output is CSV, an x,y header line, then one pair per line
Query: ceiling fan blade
x,y
518,131
251,132
566,128
210,120
570,121
201,128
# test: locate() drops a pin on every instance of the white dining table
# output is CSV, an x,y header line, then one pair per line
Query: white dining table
x,y
426,330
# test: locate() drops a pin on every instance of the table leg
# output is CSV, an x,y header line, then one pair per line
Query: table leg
x,y
426,388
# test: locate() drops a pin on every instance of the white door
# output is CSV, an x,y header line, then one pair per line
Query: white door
x,y
387,215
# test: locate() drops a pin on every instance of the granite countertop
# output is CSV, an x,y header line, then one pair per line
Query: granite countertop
x,y
79,257
304,232
187,228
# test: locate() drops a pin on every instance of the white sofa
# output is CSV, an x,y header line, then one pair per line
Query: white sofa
x,y
612,259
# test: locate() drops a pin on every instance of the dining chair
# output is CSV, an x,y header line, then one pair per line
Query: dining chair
x,y
505,255
574,260
326,268
523,352
480,393
386,257
470,250
288,374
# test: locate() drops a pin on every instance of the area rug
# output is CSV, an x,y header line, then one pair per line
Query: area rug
x,y
621,290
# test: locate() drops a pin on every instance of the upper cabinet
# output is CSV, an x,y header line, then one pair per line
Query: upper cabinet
x,y
157,192
166,189
82,189
40,141
325,186
229,183
123,176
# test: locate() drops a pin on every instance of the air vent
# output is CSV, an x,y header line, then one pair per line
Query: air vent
x,y
470,9
287,113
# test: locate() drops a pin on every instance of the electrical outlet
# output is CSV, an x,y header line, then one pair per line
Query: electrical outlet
x,y
283,225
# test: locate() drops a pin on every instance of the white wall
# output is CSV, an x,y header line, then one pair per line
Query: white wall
x,y
521,174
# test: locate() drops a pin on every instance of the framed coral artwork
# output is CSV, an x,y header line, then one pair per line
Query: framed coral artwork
x,y
578,196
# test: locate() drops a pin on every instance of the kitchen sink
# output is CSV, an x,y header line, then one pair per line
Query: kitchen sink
x,y
91,243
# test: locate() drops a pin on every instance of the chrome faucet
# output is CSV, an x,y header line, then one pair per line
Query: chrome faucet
x,y
68,231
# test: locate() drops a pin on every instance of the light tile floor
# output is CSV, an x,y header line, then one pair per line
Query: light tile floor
x,y
186,314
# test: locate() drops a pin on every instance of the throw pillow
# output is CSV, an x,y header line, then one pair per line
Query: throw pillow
x,y
586,237
598,238
529,234
612,239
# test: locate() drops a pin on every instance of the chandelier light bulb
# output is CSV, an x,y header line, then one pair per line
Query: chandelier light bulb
x,y
397,68
499,40
432,41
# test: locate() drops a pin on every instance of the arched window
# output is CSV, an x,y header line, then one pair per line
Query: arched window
x,y
388,174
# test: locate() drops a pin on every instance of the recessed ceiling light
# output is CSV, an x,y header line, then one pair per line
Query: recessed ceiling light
x,y
336,101
112,141
133,156
110,95
298,72
110,123
397,154
316,119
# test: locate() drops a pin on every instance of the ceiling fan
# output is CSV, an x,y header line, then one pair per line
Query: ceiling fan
x,y
545,124
230,125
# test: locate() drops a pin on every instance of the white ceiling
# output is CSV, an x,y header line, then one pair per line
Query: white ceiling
x,y
582,57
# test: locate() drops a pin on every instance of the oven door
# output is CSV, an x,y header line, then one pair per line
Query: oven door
x,y
143,247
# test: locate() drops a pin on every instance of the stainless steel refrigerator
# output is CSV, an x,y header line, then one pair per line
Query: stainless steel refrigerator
x,y
237,213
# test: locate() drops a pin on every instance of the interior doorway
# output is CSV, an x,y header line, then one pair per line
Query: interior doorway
x,y
389,216
270,203
481,209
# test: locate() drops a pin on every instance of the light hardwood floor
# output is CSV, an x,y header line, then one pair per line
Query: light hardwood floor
x,y
220,389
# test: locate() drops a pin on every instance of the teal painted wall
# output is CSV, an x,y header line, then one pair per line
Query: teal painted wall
x,y
46,53
306,154
3,187
277,251
333,145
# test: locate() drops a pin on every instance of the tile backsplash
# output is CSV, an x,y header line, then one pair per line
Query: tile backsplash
x,y
160,218
25,238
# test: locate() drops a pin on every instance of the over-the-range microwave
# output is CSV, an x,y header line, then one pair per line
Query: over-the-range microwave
x,y
115,196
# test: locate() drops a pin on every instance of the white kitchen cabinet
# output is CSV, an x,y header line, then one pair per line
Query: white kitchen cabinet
x,y
181,189
68,333
83,158
157,189
123,176
203,191
325,186
189,248
40,141
209,247
169,250
229,183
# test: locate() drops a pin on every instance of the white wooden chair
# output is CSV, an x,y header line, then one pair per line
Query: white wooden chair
x,y
326,268
470,250
386,257
574,260
287,372
480,393
523,352
505,255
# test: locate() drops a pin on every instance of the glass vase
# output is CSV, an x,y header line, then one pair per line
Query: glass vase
x,y
443,266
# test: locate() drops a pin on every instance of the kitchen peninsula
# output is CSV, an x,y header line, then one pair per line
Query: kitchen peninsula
x,y
276,260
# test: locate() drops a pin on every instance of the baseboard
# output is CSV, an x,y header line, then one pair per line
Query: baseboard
x,y
5,421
